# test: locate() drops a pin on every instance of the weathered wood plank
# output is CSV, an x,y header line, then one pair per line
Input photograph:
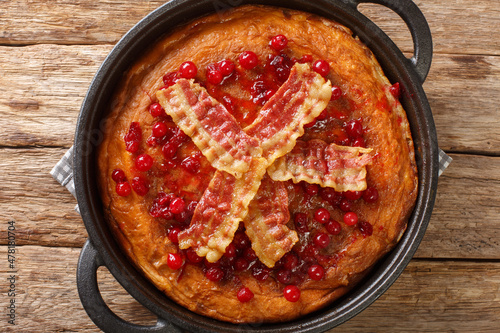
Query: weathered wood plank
x,y
42,88
70,21
465,222
459,26
48,92
430,296
466,90
42,209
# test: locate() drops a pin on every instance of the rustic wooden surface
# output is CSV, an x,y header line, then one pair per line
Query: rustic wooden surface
x,y
49,52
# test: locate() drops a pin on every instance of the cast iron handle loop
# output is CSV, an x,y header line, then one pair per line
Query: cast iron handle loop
x,y
419,29
95,306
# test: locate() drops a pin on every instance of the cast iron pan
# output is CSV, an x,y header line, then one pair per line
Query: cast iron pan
x,y
102,250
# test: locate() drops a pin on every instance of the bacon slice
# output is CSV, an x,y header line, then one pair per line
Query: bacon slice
x,y
213,129
266,222
223,205
329,165
296,103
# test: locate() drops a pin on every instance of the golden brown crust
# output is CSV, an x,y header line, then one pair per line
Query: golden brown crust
x,y
354,69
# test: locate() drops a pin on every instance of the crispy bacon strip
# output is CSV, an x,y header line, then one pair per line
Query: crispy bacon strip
x,y
302,97
329,165
281,120
266,222
223,205
213,129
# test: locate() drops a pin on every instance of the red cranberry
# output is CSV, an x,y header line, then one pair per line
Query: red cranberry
x,y
310,251
133,137
311,189
359,142
284,276
316,272
321,240
132,146
182,217
306,58
188,70
370,195
354,128
118,175
123,189
191,164
330,195
226,67
353,195
164,199
350,218
241,264
174,261
140,185
152,141
345,205
366,228
159,129
169,150
336,93
169,79
279,42
301,222
333,227
244,295
166,213
321,67
248,60
260,272
290,261
191,207
144,162
156,110
241,240
311,124
214,274
192,256
230,251
249,254
269,93
322,215
177,206
395,90
173,234
291,293
214,76
209,264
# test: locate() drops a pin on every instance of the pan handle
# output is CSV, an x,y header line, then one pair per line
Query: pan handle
x,y
419,29
95,306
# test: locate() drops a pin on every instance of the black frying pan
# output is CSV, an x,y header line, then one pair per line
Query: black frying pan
x,y
101,248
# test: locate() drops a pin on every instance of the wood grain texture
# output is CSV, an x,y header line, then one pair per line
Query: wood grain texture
x,y
42,209
458,26
40,104
465,222
428,297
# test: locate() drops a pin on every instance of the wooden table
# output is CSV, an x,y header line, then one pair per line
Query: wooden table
x,y
49,52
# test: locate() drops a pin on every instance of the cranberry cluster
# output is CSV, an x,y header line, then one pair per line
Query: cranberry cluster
x,y
170,207
295,266
341,200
